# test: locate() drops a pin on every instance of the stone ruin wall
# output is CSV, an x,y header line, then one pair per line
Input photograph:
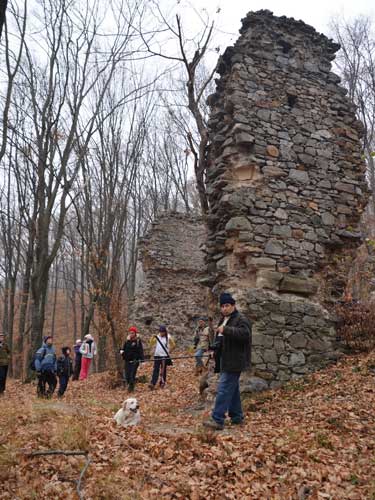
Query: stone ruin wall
x,y
286,186
172,264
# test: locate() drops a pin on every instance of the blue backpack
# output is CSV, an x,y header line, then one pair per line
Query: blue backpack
x,y
33,359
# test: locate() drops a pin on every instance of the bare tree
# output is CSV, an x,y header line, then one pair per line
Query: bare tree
x,y
3,8
356,65
189,53
109,171
63,81
13,59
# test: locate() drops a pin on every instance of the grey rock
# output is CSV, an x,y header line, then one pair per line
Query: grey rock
x,y
297,359
238,224
254,384
274,247
299,176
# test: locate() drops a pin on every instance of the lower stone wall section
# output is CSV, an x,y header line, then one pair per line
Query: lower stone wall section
x,y
292,336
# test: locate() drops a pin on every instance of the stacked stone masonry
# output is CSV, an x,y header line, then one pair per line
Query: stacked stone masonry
x,y
172,264
286,185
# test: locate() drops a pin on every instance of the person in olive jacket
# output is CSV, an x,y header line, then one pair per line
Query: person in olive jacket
x,y
233,353
4,362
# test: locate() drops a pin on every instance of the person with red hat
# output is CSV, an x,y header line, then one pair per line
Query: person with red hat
x,y
132,353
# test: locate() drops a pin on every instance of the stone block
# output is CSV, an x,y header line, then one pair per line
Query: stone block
x,y
284,359
262,340
281,214
272,151
278,318
254,384
299,176
274,247
238,224
244,138
297,359
343,186
283,231
264,374
298,341
270,356
261,262
279,345
256,358
328,219
268,279
303,286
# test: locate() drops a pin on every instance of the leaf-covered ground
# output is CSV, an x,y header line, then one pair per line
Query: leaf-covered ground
x,y
314,439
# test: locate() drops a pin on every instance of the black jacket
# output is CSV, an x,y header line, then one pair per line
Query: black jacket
x,y
64,366
233,349
133,349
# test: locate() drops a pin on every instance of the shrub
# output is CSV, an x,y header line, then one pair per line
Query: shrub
x,y
356,325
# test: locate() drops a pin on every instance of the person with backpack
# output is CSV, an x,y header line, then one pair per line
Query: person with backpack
x,y
88,351
163,343
4,362
64,370
77,359
45,366
132,353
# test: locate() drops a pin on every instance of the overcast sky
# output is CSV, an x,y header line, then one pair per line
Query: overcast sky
x,y
314,12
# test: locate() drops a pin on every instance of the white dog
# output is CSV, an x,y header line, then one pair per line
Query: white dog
x,y
129,414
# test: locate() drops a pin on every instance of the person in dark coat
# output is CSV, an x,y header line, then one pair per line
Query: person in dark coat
x,y
233,343
4,362
132,353
77,359
64,370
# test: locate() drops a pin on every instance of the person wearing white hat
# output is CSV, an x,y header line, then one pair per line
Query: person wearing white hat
x,y
88,351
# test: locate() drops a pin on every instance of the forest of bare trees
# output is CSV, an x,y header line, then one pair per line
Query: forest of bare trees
x,y
104,125
99,134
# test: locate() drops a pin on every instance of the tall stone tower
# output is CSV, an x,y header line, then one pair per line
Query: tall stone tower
x,y
286,185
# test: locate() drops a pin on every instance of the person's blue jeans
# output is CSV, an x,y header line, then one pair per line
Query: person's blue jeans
x,y
199,357
63,379
228,398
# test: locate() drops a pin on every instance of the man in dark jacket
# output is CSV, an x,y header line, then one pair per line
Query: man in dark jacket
x,y
45,364
233,343
4,362
64,370
132,353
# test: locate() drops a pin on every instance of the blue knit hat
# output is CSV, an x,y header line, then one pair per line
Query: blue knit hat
x,y
226,298
162,328
46,337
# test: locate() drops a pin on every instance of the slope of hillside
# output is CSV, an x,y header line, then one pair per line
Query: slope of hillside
x,y
314,439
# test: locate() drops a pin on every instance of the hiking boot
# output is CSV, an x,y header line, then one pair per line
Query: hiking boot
x,y
238,422
212,424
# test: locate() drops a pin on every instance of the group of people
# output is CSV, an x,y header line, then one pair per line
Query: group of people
x,y
49,368
133,354
229,344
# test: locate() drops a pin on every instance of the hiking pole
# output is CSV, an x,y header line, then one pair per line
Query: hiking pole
x,y
168,357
